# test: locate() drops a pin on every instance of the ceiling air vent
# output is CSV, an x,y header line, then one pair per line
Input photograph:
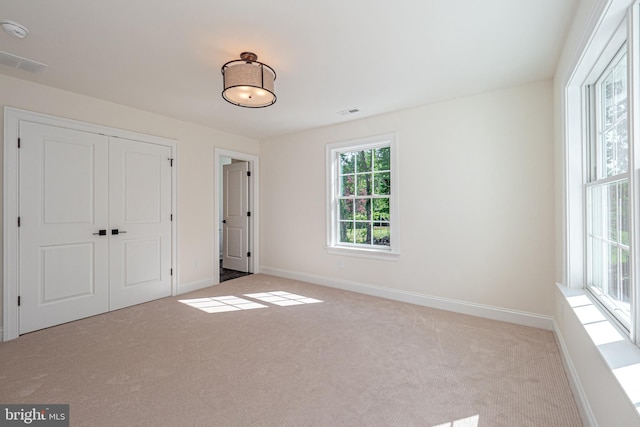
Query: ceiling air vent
x,y
348,111
20,63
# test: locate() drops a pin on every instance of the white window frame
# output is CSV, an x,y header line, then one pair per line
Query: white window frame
x,y
621,23
612,344
391,252
594,163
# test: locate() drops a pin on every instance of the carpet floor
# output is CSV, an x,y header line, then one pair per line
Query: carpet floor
x,y
290,354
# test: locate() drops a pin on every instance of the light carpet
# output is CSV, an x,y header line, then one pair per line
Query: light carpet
x,y
350,360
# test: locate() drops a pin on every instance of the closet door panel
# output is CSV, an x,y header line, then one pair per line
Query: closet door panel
x,y
63,269
140,222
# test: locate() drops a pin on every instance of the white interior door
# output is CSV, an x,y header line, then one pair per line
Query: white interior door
x,y
63,203
235,225
140,223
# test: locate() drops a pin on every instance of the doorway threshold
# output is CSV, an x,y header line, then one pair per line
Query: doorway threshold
x,y
227,274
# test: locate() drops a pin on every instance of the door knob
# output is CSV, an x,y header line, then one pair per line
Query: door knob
x,y
115,232
100,233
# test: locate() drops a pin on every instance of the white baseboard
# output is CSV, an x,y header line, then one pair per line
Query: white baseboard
x,y
574,381
463,307
194,286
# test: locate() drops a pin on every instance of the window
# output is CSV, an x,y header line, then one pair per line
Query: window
x,y
607,189
601,203
362,196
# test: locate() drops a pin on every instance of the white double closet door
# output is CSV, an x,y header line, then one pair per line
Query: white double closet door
x,y
95,224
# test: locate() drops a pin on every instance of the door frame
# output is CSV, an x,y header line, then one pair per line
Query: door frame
x,y
254,207
12,119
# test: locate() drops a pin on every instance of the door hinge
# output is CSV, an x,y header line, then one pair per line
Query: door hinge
x,y
170,161
248,173
18,221
249,254
171,217
171,271
19,301
248,213
18,142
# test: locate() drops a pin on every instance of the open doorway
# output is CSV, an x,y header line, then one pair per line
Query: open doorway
x,y
236,216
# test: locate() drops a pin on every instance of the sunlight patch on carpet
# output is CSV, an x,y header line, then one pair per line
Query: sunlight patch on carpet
x,y
282,298
465,422
234,303
222,304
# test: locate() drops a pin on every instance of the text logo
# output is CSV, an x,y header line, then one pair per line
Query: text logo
x,y
34,415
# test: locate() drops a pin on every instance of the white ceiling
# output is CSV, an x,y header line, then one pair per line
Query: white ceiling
x,y
330,55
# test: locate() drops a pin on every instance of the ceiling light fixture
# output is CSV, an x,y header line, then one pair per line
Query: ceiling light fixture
x,y
14,29
247,82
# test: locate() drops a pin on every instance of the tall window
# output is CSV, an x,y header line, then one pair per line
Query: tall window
x,y
361,195
607,190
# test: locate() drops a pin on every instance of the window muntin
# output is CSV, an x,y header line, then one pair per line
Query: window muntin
x,y
608,263
362,197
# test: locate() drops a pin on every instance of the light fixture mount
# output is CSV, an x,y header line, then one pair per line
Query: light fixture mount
x,y
249,56
248,82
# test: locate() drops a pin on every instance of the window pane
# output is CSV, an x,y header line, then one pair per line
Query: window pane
x,y
607,92
346,232
347,185
609,274
382,183
346,209
595,210
363,232
381,234
625,291
347,163
622,146
623,194
615,283
618,285
609,141
382,159
613,91
612,211
363,161
595,263
619,82
613,157
381,209
363,209
616,146
611,287
364,184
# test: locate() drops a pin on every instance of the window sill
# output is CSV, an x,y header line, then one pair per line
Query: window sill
x,y
620,354
364,253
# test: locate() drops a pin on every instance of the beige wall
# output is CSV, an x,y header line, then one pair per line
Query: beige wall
x,y
476,200
195,160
